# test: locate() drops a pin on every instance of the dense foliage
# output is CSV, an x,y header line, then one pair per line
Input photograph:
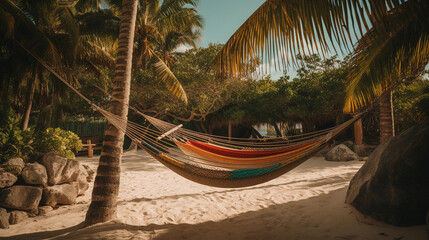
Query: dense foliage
x,y
27,145
64,143
14,142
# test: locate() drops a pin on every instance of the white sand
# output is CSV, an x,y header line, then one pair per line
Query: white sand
x,y
155,203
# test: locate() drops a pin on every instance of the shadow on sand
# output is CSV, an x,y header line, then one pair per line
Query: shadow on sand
x,y
292,220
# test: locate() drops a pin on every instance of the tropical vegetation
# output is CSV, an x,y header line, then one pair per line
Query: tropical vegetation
x,y
387,41
392,44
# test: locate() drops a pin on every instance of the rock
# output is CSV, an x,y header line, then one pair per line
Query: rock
x,y
90,172
348,144
43,210
7,179
341,153
392,185
35,174
70,172
16,162
363,159
82,180
54,166
17,217
21,197
60,169
60,194
4,218
33,212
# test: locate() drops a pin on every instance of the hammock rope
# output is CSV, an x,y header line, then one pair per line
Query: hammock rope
x,y
216,160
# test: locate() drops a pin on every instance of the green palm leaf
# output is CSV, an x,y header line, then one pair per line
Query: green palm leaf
x,y
167,77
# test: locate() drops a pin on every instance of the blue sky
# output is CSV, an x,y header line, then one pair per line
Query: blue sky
x,y
223,17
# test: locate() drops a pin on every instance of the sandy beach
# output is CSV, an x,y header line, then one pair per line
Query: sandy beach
x,y
155,203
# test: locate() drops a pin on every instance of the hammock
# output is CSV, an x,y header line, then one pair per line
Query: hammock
x,y
215,160
220,162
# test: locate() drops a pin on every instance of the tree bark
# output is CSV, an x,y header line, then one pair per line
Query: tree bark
x,y
278,132
358,132
106,186
387,124
29,99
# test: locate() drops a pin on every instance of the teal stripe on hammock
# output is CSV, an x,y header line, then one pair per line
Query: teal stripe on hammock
x,y
244,173
150,147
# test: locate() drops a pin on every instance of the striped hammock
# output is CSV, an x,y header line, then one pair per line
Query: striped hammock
x,y
221,161
215,160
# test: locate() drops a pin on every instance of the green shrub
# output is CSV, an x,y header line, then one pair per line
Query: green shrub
x,y
63,142
13,141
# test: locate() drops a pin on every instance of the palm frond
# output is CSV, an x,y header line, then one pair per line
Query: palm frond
x,y
280,30
388,54
167,77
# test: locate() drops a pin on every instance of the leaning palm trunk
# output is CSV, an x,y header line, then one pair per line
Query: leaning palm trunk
x,y
387,129
106,185
29,100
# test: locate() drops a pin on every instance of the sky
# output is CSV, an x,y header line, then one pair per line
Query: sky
x,y
223,17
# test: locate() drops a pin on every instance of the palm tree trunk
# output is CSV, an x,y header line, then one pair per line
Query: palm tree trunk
x,y
106,186
387,125
29,99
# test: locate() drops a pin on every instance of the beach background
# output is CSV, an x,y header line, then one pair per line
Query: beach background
x,y
155,203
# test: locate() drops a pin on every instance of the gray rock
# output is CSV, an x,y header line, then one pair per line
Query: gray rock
x,y
392,185
35,174
70,172
21,197
17,162
90,172
60,194
43,210
7,179
60,169
54,166
341,153
17,217
33,212
82,180
4,218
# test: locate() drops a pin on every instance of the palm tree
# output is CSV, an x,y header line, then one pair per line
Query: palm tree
x,y
56,32
392,47
106,185
160,28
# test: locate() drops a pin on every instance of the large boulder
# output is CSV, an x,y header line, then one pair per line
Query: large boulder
x,y
341,153
7,179
4,218
392,185
17,217
54,166
35,174
21,197
60,169
60,194
15,162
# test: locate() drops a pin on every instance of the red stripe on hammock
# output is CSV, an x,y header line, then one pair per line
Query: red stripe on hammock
x,y
244,153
